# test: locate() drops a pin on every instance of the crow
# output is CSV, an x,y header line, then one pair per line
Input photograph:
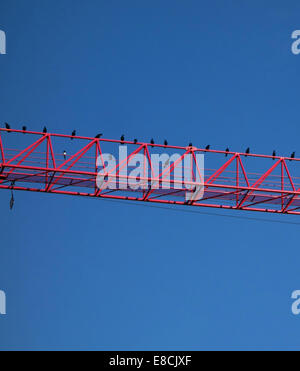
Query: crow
x,y
274,154
227,151
73,134
98,136
45,130
165,142
207,147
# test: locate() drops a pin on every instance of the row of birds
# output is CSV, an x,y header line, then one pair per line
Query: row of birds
x,y
98,136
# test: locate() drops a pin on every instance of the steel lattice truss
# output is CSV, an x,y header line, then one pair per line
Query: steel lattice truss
x,y
62,164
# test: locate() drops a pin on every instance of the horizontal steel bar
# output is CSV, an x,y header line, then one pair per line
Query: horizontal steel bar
x,y
149,201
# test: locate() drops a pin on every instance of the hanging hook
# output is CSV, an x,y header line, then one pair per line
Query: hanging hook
x,y
12,199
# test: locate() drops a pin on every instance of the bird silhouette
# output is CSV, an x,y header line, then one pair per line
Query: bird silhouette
x,y
122,138
274,154
45,130
135,141
165,142
152,141
7,126
293,155
98,136
24,128
73,134
247,151
190,144
207,147
227,151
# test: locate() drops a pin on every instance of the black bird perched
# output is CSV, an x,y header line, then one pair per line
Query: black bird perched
x,y
247,151
227,151
152,141
191,144
98,136
7,126
73,134
293,155
122,138
165,142
207,147
24,128
135,141
274,154
45,130
65,155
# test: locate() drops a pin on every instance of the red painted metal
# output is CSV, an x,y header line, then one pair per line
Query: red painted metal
x,y
271,185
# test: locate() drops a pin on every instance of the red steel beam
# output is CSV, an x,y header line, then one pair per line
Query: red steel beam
x,y
242,190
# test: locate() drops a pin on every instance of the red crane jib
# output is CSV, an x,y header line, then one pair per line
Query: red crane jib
x,y
76,165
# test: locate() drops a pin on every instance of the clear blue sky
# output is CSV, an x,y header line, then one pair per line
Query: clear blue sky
x,y
87,274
